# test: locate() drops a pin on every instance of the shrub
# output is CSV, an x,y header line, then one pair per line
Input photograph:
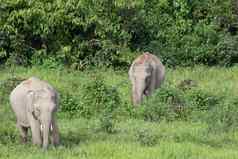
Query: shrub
x,y
70,104
7,136
167,103
146,138
99,97
171,103
103,102
187,84
227,51
107,122
8,131
202,101
7,86
81,33
223,117
96,100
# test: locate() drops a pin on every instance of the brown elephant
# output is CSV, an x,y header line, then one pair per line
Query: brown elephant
x,y
146,74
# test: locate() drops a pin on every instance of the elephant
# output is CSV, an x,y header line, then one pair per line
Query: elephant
x,y
35,103
146,74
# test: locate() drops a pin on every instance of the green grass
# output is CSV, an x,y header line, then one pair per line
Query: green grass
x,y
82,138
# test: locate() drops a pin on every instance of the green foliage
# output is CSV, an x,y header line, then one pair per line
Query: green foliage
x,y
190,31
167,103
171,103
146,138
96,100
107,122
223,117
202,101
99,96
103,102
70,104
6,86
83,33
227,51
8,134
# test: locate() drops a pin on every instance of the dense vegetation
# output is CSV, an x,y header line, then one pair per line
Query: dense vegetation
x,y
82,33
195,119
193,115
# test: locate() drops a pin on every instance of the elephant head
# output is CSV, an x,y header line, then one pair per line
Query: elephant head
x,y
41,105
141,79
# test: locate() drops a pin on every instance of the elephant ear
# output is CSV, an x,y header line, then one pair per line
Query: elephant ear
x,y
31,104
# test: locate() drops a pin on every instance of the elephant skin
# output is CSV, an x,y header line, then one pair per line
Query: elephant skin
x,y
35,103
146,74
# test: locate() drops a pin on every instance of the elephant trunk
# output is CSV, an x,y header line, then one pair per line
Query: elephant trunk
x,y
46,131
137,93
137,97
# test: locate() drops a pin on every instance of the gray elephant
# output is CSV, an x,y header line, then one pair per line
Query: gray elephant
x,y
34,103
146,74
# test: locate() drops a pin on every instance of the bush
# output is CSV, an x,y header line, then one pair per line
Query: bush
x,y
103,102
202,101
8,133
84,33
223,117
107,122
167,103
71,104
227,51
146,138
7,86
99,97
96,100
171,103
187,84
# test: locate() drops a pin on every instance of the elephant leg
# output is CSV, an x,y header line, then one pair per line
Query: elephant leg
x,y
23,133
36,132
55,133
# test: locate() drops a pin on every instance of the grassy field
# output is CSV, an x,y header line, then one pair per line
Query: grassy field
x,y
133,137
